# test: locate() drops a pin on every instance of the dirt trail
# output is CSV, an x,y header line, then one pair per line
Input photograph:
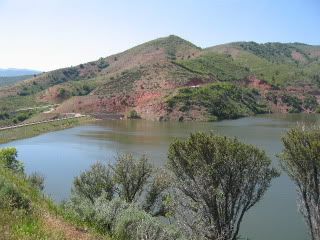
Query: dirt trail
x,y
68,231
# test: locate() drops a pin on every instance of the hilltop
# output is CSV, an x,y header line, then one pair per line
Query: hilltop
x,y
172,79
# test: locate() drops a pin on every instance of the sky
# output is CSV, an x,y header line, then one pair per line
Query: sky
x,y
50,34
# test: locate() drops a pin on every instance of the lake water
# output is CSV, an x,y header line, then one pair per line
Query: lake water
x,y
62,155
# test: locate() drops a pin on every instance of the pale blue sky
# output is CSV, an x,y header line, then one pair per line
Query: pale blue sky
x,y
48,34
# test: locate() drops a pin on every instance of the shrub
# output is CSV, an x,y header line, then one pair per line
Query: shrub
x,y
135,224
107,212
292,101
310,102
11,197
301,160
94,182
218,179
131,176
8,158
102,63
36,180
133,114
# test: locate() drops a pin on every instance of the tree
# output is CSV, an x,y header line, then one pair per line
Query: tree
x,y
218,179
301,160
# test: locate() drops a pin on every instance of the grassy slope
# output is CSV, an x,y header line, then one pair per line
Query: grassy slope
x,y
41,220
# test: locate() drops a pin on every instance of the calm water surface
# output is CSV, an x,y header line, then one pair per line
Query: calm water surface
x,y
62,155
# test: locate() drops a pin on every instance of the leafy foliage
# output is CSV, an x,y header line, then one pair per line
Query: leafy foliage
x,y
8,159
301,160
131,176
94,182
128,178
120,198
218,179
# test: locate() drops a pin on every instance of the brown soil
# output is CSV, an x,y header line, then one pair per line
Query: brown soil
x,y
67,230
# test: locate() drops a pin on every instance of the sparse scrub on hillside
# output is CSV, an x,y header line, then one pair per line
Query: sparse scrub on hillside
x,y
293,102
123,83
221,100
219,66
310,103
11,118
274,52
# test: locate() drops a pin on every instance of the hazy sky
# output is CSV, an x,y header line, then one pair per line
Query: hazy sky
x,y
48,34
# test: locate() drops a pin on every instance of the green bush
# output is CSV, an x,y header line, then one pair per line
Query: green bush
x,y
11,197
36,180
94,182
8,159
135,224
133,115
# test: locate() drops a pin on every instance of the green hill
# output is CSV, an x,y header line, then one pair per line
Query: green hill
x,y
143,78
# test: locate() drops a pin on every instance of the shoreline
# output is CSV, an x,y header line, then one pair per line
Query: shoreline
x,y
29,131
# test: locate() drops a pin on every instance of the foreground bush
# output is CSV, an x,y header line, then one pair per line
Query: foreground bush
x,y
133,180
301,160
123,199
121,219
218,179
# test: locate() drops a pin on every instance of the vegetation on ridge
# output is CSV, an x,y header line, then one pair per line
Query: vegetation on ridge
x,y
220,100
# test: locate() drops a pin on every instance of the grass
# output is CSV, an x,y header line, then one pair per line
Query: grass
x,y
35,130
40,218
13,103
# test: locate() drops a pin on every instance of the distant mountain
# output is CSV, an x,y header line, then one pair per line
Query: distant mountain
x,y
7,81
13,72
172,79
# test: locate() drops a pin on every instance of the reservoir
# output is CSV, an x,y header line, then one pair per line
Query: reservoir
x,y
62,155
